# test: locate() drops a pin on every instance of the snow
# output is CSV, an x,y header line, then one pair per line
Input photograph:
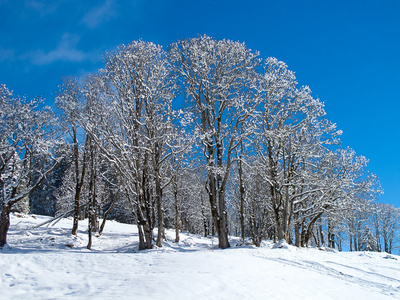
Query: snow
x,y
37,264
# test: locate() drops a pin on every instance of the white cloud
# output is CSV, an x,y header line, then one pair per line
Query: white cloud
x,y
6,54
42,7
65,51
99,14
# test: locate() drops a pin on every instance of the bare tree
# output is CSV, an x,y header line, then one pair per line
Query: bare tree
x,y
70,101
292,132
387,218
26,134
133,127
219,78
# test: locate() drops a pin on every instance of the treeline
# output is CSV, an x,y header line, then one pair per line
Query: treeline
x,y
205,137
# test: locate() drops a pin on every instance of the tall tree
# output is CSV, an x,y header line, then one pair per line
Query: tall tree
x,y
134,126
70,101
219,79
292,132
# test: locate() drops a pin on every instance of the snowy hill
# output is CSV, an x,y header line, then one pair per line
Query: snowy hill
x,y
50,263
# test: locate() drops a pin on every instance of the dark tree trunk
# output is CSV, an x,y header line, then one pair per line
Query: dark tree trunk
x,y
386,243
160,212
216,183
89,245
205,220
176,206
242,192
4,225
351,242
140,223
92,220
78,185
220,220
321,234
223,241
148,236
143,207
356,242
297,235
205,226
108,212
278,224
309,231
303,237
144,227
142,244
331,236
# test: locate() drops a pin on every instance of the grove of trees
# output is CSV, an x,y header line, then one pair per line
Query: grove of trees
x,y
205,136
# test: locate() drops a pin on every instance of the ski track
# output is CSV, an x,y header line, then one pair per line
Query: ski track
x,y
386,289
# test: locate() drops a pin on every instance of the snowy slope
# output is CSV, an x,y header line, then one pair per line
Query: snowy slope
x,y
39,265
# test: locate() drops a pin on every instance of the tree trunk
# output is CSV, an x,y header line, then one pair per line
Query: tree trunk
x,y
142,244
308,233
331,236
351,242
216,209
89,245
223,241
377,234
92,220
339,242
278,224
4,225
176,206
78,185
356,242
205,220
148,235
297,235
145,234
108,212
386,243
160,212
145,228
216,190
242,192
321,233
143,204
219,222
286,216
75,223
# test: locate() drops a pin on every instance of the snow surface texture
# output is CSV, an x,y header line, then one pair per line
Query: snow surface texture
x,y
38,264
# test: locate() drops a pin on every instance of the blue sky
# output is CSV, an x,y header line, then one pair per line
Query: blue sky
x,y
348,52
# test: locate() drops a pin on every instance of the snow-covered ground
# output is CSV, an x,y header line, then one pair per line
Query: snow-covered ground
x,y
39,265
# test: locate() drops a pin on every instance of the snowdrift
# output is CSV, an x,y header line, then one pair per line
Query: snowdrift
x,y
50,263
